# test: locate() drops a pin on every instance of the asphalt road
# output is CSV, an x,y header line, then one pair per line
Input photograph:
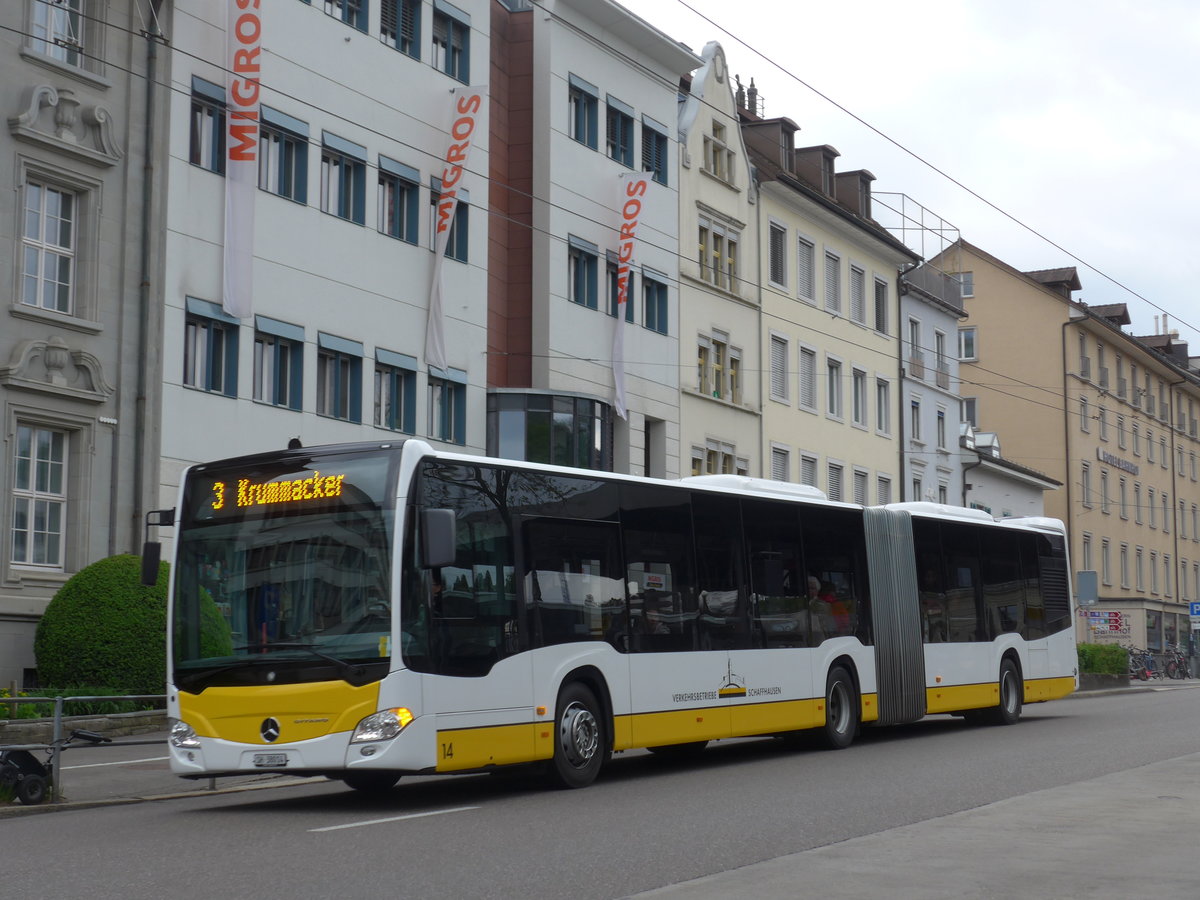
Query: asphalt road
x,y
645,824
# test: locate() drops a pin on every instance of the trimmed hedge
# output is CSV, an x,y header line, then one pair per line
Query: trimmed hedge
x,y
105,627
1103,659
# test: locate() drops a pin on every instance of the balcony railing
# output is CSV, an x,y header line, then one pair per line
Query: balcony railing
x,y
916,364
943,376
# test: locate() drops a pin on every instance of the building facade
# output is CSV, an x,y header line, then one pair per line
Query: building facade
x,y
1110,415
592,97
720,402
78,354
830,329
357,107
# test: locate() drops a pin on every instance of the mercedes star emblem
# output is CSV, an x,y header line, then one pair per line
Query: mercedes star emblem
x,y
269,730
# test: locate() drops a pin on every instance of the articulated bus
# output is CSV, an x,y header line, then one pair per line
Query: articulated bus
x,y
367,611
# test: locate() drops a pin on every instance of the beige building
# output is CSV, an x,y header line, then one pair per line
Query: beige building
x,y
720,398
829,274
1111,415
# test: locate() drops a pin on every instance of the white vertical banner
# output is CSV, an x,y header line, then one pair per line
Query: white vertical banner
x,y
468,105
635,186
243,31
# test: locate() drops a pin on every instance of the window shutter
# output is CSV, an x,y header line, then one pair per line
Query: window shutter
x,y
835,482
806,269
778,368
858,295
779,464
808,378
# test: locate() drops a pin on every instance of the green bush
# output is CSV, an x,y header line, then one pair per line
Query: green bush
x,y
1103,659
104,627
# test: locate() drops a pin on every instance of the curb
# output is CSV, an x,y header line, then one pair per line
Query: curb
x,y
17,809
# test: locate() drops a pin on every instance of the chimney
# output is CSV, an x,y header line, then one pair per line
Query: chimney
x,y
752,98
740,95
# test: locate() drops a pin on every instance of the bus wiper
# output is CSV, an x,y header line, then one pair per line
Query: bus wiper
x,y
344,666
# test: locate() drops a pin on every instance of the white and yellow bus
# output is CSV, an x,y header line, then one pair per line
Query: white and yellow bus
x,y
366,611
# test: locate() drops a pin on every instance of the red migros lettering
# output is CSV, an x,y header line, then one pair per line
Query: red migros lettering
x,y
636,188
243,142
471,103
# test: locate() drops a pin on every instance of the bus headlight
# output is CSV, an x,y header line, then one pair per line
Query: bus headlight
x,y
382,726
183,735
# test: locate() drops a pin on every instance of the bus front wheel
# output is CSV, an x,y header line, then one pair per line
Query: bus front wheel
x,y
579,738
841,709
370,782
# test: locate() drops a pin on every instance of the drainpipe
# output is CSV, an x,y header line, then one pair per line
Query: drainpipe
x,y
904,479
140,438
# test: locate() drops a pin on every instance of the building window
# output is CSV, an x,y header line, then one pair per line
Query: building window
x,y
206,143
881,306
883,490
808,379
352,12
395,391
806,270
654,150
858,398
1102,415
400,25
1085,415
718,158
283,156
583,100
719,254
777,255
620,131
719,368
448,409
48,247
883,406
339,378
568,431
967,280
833,389
1124,564
582,263
399,192
834,483
941,429
779,374
858,295
1123,498
654,293
39,496
967,348
781,464
1104,498
278,362
1087,552
1105,561
612,271
914,420
970,411
457,239
210,348
808,469
861,481
343,179
451,44
57,30
1137,502
1152,506
833,283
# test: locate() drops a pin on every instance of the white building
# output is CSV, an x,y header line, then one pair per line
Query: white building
x,y
356,110
591,97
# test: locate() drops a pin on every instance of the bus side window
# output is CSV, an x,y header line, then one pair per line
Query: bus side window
x,y
725,611
655,531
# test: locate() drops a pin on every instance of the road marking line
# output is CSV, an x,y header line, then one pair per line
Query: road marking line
x,y
123,762
436,812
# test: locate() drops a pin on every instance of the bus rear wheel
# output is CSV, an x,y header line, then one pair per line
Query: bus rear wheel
x,y
1012,692
580,740
371,782
841,709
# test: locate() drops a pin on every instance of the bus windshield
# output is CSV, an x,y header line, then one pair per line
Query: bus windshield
x,y
283,570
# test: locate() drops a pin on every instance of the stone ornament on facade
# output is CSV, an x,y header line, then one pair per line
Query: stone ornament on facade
x,y
55,118
52,367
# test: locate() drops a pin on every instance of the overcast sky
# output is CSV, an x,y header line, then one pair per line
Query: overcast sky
x,y
1079,119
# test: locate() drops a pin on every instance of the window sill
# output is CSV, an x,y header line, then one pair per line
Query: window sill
x,y
62,68
62,320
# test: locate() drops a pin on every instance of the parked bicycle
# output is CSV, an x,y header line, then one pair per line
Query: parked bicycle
x,y
26,778
1142,664
1175,663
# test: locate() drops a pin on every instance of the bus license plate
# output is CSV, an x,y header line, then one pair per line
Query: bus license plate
x,y
270,760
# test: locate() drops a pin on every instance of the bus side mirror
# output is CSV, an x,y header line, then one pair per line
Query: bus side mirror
x,y
151,554
439,538
152,550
